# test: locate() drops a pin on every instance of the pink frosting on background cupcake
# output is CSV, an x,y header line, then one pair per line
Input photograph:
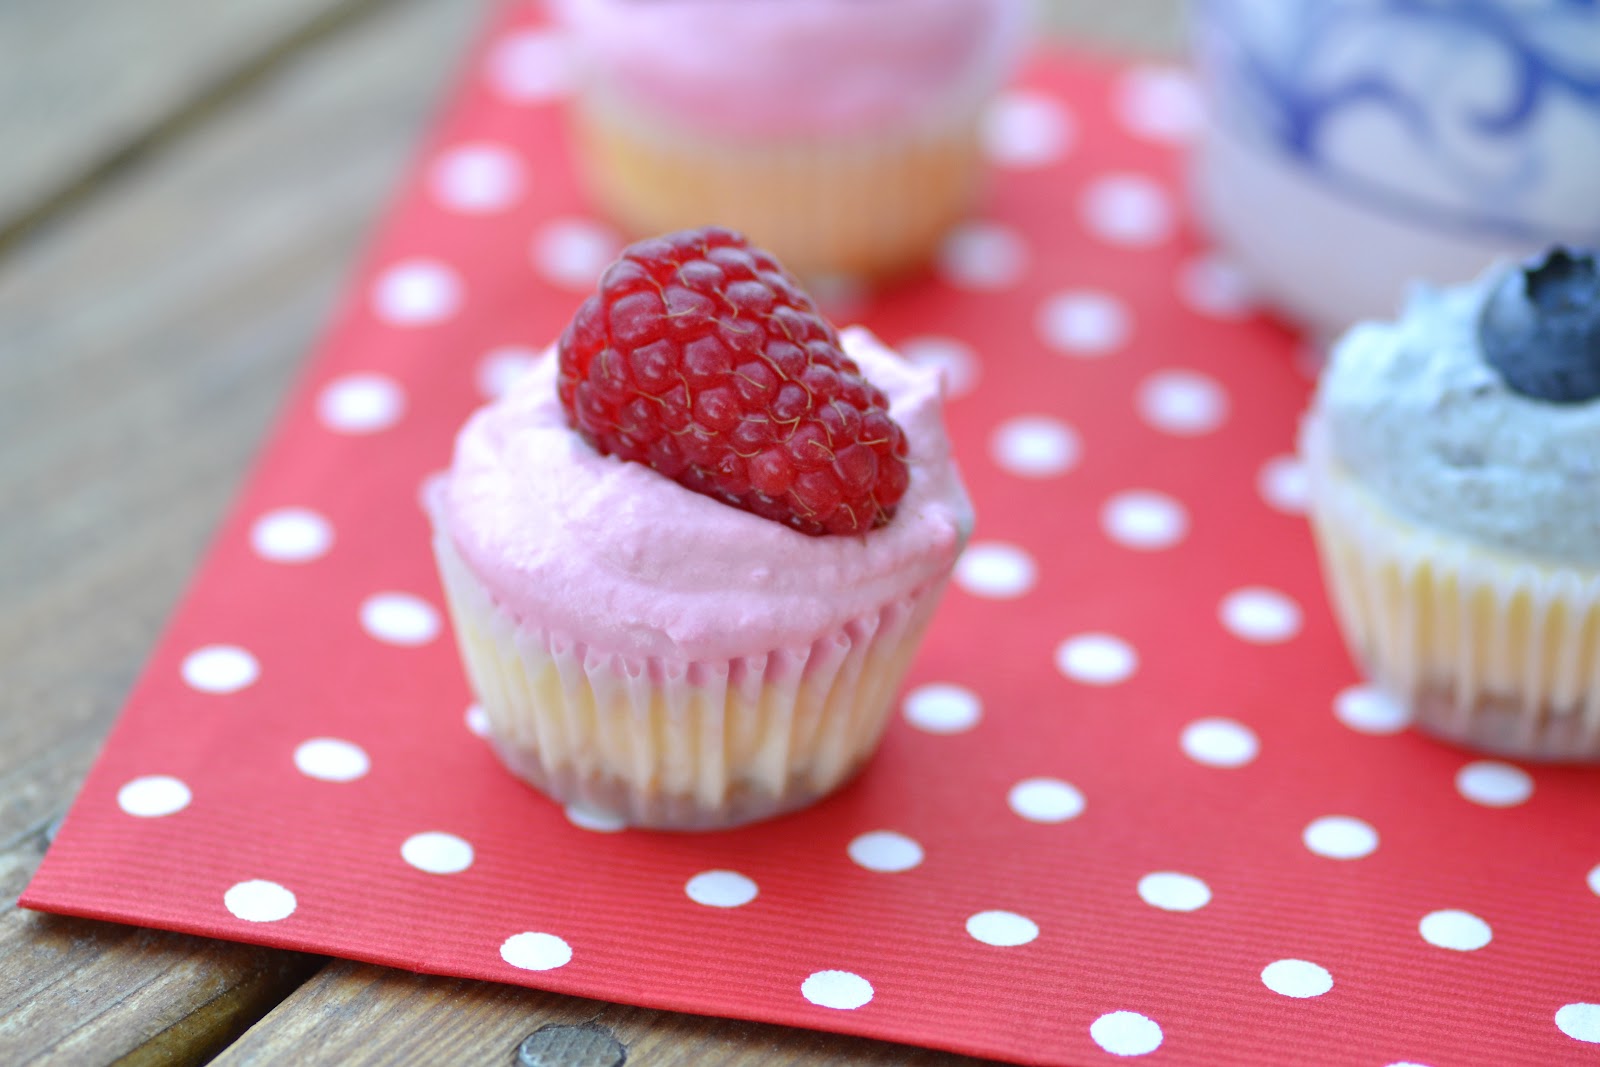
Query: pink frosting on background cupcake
x,y
797,67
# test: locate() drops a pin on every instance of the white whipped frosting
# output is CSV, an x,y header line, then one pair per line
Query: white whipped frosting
x,y
1414,411
614,554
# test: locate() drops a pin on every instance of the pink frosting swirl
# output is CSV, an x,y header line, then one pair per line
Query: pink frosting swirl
x,y
783,67
619,557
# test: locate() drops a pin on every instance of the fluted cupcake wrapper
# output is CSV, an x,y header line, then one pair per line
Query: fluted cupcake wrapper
x,y
676,743
1488,650
864,207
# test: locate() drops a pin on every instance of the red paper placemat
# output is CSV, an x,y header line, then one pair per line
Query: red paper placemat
x,y
1134,804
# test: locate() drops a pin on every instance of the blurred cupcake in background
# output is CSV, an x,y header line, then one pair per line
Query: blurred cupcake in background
x,y
841,134
1454,457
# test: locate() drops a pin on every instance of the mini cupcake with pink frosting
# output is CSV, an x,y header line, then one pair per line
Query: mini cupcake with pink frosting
x,y
690,555
841,134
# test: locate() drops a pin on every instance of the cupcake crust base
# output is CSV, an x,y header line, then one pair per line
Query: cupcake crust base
x,y
867,208
1501,726
743,803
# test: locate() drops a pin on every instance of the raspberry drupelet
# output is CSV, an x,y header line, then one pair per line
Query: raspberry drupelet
x,y
704,359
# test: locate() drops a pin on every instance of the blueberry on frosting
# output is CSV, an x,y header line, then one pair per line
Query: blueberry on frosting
x,y
1541,328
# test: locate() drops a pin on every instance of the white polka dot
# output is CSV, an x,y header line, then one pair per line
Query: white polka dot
x,y
574,252
1129,210
1369,710
1340,837
1035,446
1259,615
1212,286
954,360
1580,1021
1182,403
1083,322
1003,929
1096,659
417,292
258,901
1219,742
530,66
437,852
498,370
331,760
1159,104
1126,1033
1296,978
477,720
942,708
153,796
291,535
983,256
360,403
1171,891
1494,784
399,619
836,989
535,951
885,851
1024,129
1143,520
220,669
1045,800
1282,484
995,570
476,179
1594,879
594,819
1458,930
721,889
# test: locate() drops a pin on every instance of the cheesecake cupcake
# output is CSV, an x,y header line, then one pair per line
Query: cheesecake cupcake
x,y
690,554
841,134
1454,458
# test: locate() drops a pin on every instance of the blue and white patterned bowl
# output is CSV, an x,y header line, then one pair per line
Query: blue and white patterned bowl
x,y
1355,145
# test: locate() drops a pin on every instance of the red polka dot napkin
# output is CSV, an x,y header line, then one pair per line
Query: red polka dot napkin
x,y
1134,803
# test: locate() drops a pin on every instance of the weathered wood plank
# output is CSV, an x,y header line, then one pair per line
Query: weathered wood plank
x,y
145,341
86,85
356,1015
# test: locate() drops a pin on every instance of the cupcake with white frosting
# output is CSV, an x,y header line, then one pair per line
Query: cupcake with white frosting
x,y
841,134
1455,468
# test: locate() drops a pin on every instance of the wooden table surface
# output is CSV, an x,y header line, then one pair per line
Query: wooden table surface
x,y
183,187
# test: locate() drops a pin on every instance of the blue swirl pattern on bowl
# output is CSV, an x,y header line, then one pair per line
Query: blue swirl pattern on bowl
x,y
1476,116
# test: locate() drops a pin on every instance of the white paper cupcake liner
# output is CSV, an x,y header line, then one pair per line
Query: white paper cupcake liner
x,y
1489,650
681,744
864,207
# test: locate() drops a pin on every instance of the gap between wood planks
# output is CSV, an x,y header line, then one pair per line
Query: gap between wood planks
x,y
208,102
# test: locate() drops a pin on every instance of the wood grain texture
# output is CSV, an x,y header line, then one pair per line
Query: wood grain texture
x,y
90,85
145,342
359,1015
147,336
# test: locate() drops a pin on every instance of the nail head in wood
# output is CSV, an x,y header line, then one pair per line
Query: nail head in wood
x,y
588,1045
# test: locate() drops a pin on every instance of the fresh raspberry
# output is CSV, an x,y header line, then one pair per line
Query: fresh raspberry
x,y
704,359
